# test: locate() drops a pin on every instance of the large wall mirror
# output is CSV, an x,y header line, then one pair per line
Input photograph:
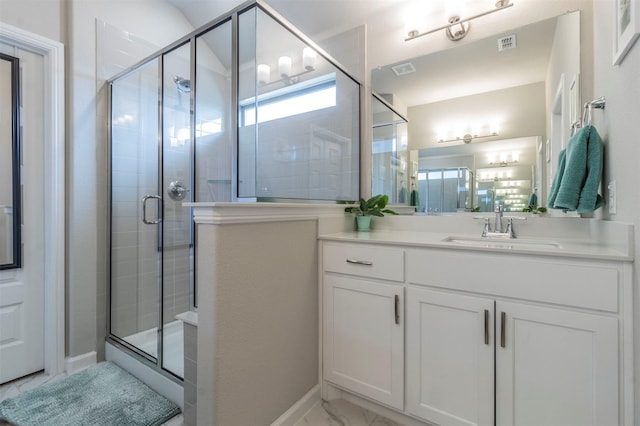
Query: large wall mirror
x,y
486,119
10,218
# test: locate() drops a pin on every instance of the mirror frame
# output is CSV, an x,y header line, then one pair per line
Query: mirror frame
x,y
15,162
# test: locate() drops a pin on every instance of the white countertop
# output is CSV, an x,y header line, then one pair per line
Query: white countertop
x,y
567,247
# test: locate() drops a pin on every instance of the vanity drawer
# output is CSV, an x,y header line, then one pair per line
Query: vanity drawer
x,y
579,283
365,260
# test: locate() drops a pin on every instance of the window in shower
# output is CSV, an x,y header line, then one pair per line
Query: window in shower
x,y
298,133
299,100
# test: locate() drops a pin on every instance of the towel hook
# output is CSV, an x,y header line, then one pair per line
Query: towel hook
x,y
588,107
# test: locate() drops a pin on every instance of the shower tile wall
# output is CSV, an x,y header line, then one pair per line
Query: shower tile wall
x,y
300,158
213,117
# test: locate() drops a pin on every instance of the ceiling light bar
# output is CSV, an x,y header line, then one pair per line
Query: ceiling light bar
x,y
456,34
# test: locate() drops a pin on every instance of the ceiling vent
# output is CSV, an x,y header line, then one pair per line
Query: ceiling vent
x,y
506,43
403,69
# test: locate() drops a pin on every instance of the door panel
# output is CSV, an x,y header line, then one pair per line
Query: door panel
x,y
450,350
135,255
556,367
363,342
22,290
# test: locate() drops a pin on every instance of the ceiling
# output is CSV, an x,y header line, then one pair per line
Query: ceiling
x,y
472,68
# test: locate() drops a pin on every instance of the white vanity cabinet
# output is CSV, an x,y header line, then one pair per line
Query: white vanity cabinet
x,y
363,325
472,337
556,352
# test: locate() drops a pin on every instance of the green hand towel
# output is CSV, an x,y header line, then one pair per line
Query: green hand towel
x,y
577,180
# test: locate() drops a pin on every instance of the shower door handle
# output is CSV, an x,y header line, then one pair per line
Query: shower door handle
x,y
144,210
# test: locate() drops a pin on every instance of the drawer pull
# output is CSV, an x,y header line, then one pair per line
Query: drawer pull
x,y
360,262
503,320
486,326
397,308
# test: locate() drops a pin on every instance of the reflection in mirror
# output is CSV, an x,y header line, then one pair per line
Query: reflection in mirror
x,y
390,156
491,118
10,256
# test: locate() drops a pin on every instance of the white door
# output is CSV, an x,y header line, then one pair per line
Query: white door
x,y
22,290
450,357
555,367
364,338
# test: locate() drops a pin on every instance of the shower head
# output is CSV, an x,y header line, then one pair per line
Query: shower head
x,y
183,84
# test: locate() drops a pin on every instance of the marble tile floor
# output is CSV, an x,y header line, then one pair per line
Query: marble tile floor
x,y
16,387
342,413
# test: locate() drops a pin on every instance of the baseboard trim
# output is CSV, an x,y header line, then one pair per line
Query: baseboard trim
x,y
299,409
76,363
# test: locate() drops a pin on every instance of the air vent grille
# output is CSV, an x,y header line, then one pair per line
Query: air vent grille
x,y
506,43
402,69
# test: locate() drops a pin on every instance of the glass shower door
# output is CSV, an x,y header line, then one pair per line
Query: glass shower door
x,y
177,188
135,210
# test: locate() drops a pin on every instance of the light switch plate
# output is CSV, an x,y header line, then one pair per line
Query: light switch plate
x,y
612,197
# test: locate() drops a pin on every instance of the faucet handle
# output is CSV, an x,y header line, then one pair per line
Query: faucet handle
x,y
510,231
487,225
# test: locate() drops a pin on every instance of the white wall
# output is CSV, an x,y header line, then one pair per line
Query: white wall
x,y
563,86
618,127
524,117
42,17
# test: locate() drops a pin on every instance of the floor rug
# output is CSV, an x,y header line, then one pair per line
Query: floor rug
x,y
103,394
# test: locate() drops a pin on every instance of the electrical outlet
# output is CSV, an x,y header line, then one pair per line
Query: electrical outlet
x,y
612,197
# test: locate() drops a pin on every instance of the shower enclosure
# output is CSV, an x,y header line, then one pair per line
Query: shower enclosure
x,y
245,108
390,157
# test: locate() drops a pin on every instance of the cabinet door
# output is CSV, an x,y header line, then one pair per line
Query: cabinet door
x,y
555,367
364,338
450,357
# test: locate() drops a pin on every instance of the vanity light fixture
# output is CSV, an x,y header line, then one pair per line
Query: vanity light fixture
x,y
456,28
285,67
503,159
467,138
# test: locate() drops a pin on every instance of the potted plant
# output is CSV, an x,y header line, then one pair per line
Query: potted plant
x,y
364,209
533,208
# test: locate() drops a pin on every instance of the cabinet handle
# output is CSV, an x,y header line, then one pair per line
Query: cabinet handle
x,y
486,326
397,308
503,320
360,262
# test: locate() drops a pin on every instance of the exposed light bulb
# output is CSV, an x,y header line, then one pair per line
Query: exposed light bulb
x,y
284,66
309,57
264,73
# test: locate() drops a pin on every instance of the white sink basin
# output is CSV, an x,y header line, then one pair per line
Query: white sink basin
x,y
512,243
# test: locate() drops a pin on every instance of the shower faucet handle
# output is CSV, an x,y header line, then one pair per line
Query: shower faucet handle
x,y
177,191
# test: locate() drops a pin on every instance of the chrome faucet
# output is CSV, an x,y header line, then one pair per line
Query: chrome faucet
x,y
499,230
497,226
